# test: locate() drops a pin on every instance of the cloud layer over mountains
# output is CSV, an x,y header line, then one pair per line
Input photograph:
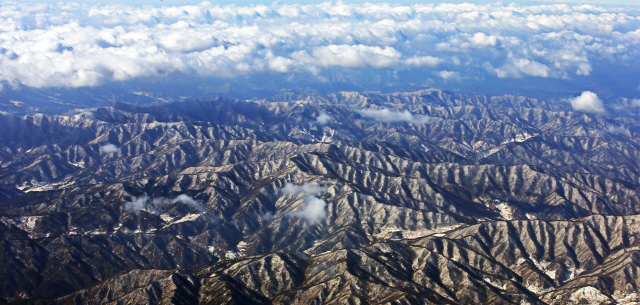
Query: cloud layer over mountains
x,y
75,45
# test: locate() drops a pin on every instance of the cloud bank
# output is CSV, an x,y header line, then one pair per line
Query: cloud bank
x,y
76,45
587,102
390,116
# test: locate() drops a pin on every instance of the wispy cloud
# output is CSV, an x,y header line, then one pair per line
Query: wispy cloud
x,y
190,202
449,75
137,205
158,205
619,129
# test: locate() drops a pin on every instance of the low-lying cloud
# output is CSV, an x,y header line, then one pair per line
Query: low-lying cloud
x,y
137,205
587,102
323,118
390,116
74,45
314,209
190,202
158,205
108,148
306,188
619,129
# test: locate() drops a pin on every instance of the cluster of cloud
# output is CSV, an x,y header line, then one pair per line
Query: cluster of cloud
x,y
587,102
157,205
76,45
108,148
314,209
625,104
390,116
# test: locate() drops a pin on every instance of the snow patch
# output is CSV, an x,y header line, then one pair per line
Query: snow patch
x,y
505,211
519,138
45,187
329,137
502,286
166,217
589,294
386,232
242,246
79,164
627,299
188,217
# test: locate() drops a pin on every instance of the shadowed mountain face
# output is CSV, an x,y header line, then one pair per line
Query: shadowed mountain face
x,y
491,200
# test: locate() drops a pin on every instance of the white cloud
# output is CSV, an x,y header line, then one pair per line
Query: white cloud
x,y
517,67
482,40
306,189
323,118
137,205
190,202
157,205
350,56
313,211
449,75
635,102
108,148
584,69
620,129
587,102
423,61
61,45
389,116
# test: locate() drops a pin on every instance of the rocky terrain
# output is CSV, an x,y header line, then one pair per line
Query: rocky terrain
x,y
350,198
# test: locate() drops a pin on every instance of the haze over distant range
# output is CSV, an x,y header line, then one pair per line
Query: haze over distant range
x,y
197,50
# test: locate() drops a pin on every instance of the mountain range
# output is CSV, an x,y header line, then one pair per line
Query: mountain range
x,y
425,197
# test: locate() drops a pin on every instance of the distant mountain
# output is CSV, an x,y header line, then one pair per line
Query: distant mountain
x,y
350,198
